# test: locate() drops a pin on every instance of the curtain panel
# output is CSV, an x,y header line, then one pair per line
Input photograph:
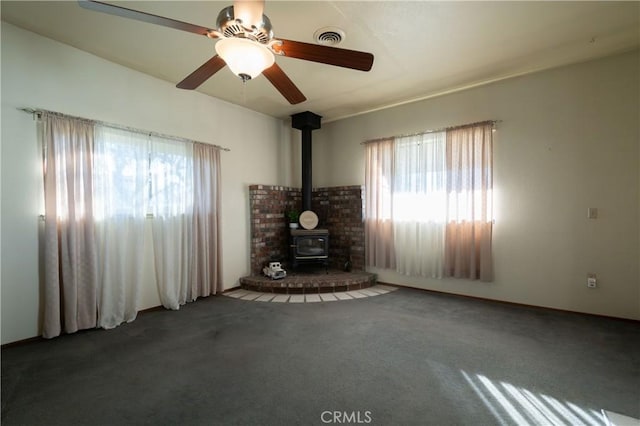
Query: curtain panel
x,y
418,204
170,204
378,225
469,202
120,180
207,221
70,258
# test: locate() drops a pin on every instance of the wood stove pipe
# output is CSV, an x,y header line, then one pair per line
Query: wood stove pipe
x,y
306,122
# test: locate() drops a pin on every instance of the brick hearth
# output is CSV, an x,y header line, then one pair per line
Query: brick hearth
x,y
314,282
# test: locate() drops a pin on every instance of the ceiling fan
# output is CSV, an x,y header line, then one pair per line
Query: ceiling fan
x,y
246,44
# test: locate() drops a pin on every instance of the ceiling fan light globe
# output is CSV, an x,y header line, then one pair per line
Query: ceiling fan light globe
x,y
244,56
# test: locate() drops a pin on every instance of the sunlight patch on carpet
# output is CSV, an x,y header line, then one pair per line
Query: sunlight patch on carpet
x,y
510,404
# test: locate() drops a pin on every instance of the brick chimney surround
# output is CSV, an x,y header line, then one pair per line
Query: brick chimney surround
x,y
339,209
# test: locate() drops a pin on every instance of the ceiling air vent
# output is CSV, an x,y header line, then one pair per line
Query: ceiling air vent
x,y
329,36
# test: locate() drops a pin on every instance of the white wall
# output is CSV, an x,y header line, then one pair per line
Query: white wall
x,y
569,140
38,72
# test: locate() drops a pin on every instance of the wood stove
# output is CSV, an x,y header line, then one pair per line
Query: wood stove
x,y
309,246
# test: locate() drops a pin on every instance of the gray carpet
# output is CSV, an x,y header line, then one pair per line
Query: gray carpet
x,y
404,358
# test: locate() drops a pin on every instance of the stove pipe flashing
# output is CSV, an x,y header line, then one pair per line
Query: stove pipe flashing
x,y
306,122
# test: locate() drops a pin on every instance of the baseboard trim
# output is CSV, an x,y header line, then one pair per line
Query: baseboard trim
x,y
22,342
506,302
485,299
142,311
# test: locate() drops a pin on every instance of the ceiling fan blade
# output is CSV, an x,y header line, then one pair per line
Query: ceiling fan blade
x,y
202,74
248,11
123,12
283,83
353,59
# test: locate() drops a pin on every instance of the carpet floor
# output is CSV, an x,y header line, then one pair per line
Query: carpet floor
x,y
404,358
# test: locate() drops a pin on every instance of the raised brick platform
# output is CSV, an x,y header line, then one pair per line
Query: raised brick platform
x,y
310,282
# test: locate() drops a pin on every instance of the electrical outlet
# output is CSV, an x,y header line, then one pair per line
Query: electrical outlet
x,y
592,280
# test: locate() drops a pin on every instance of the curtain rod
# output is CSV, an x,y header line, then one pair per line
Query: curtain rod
x,y
424,132
37,113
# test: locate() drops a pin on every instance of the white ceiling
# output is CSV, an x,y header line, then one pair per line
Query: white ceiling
x,y
421,48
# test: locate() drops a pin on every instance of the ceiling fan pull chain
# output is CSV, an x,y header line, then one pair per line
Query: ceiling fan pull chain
x,y
244,92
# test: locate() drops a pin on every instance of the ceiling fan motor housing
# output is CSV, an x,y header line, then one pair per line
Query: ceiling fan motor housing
x,y
231,27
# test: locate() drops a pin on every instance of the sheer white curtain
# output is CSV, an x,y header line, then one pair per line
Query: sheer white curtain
x,y
120,188
419,204
171,203
70,270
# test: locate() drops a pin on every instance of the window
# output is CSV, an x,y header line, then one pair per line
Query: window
x,y
428,203
419,192
101,183
138,175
